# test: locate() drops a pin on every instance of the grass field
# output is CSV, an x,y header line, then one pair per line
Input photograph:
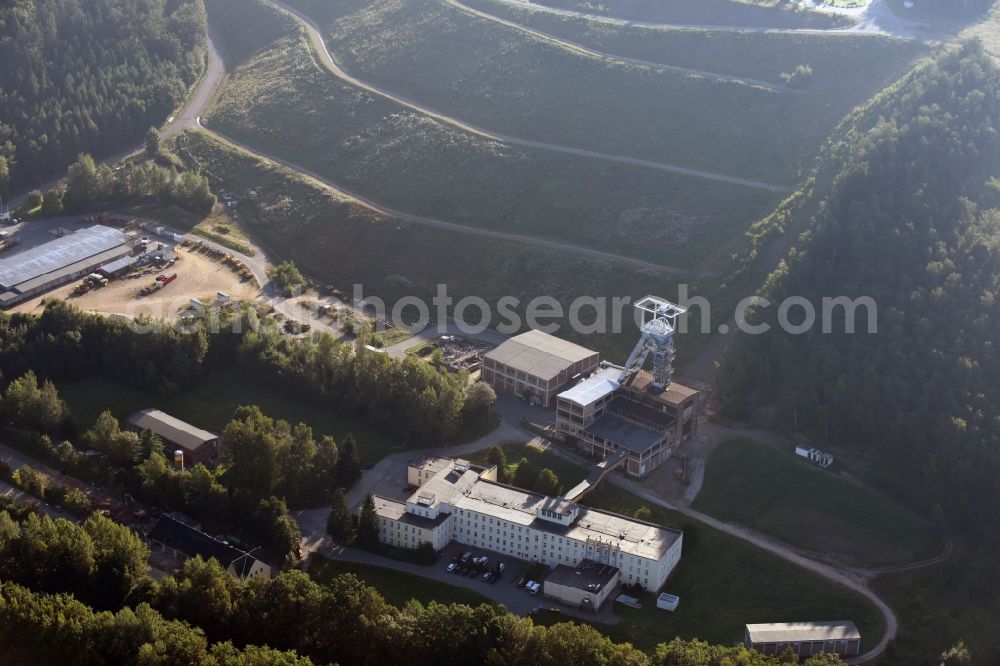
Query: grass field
x,y
343,243
724,583
754,484
761,13
939,606
211,405
281,102
568,473
396,586
847,68
502,79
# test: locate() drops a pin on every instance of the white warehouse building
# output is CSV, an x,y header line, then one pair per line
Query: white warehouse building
x,y
464,503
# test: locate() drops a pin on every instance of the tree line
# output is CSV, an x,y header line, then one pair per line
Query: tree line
x,y
203,615
84,76
406,399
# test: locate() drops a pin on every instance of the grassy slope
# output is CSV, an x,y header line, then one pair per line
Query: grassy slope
x,y
397,587
502,79
848,68
568,473
753,484
762,13
283,103
342,243
725,583
211,405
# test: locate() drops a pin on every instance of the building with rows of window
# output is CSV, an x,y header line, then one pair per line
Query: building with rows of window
x,y
464,503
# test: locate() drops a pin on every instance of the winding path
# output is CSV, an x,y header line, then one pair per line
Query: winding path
x,y
435,223
611,57
874,19
326,58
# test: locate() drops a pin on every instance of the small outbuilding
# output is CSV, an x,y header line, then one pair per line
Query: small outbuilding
x,y
199,446
586,586
804,638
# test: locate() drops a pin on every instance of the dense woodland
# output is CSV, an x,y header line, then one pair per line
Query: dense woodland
x,y
89,76
905,208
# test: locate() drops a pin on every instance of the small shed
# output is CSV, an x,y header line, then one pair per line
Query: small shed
x,y
821,458
667,602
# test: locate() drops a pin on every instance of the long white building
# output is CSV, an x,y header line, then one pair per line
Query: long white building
x,y
464,503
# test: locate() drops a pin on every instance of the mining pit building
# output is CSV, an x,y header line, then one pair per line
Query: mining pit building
x,y
603,415
59,261
462,502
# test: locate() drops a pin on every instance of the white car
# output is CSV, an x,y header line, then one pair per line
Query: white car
x,y
452,567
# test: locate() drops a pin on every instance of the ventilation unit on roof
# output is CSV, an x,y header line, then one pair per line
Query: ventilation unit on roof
x,y
425,499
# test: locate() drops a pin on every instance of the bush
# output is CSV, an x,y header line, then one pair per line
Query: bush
x,y
800,77
34,199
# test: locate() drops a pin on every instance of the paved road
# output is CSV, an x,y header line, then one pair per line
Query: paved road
x,y
315,36
611,57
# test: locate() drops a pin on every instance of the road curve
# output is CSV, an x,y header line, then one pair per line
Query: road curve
x,y
435,223
611,57
874,19
784,552
326,58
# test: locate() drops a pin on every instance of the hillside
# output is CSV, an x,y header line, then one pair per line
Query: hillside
x,y
903,209
90,77
492,75
279,101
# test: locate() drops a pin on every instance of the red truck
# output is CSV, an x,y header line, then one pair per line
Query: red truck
x,y
164,280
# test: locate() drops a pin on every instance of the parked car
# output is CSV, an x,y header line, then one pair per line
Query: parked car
x,y
487,576
452,567
522,581
534,588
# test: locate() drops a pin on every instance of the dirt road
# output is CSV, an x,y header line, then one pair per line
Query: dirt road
x,y
611,57
388,211
875,18
316,38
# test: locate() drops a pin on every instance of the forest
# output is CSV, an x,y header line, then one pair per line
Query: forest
x,y
904,208
89,76
409,399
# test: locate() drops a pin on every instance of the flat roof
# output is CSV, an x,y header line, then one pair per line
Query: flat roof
x,y
396,510
58,253
592,389
539,354
446,483
171,428
119,264
798,632
588,575
673,394
633,437
521,507
433,464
